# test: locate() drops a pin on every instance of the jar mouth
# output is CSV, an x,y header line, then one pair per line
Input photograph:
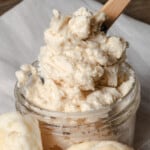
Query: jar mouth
x,y
124,102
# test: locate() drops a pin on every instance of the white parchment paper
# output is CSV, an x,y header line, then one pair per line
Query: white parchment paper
x,y
21,35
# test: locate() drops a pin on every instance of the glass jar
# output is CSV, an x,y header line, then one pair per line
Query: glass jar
x,y
59,130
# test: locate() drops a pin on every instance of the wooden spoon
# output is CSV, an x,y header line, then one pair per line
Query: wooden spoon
x,y
113,9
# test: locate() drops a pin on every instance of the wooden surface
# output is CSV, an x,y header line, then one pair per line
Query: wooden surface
x,y
5,5
113,9
139,9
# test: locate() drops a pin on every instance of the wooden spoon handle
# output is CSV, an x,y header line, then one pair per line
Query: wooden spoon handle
x,y
113,9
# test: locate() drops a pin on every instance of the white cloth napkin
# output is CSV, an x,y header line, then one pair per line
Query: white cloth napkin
x,y
21,35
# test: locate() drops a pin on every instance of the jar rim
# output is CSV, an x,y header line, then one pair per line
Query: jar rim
x,y
102,112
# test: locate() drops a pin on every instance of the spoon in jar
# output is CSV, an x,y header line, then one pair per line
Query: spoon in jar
x,y
113,9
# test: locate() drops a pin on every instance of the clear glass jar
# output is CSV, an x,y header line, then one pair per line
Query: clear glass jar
x,y
60,130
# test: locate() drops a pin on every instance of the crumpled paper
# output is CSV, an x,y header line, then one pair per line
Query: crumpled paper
x,y
21,36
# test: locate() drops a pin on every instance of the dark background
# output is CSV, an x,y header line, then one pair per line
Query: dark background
x,y
5,5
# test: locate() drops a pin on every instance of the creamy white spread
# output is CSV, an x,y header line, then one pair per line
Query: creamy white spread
x,y
80,67
97,145
19,133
